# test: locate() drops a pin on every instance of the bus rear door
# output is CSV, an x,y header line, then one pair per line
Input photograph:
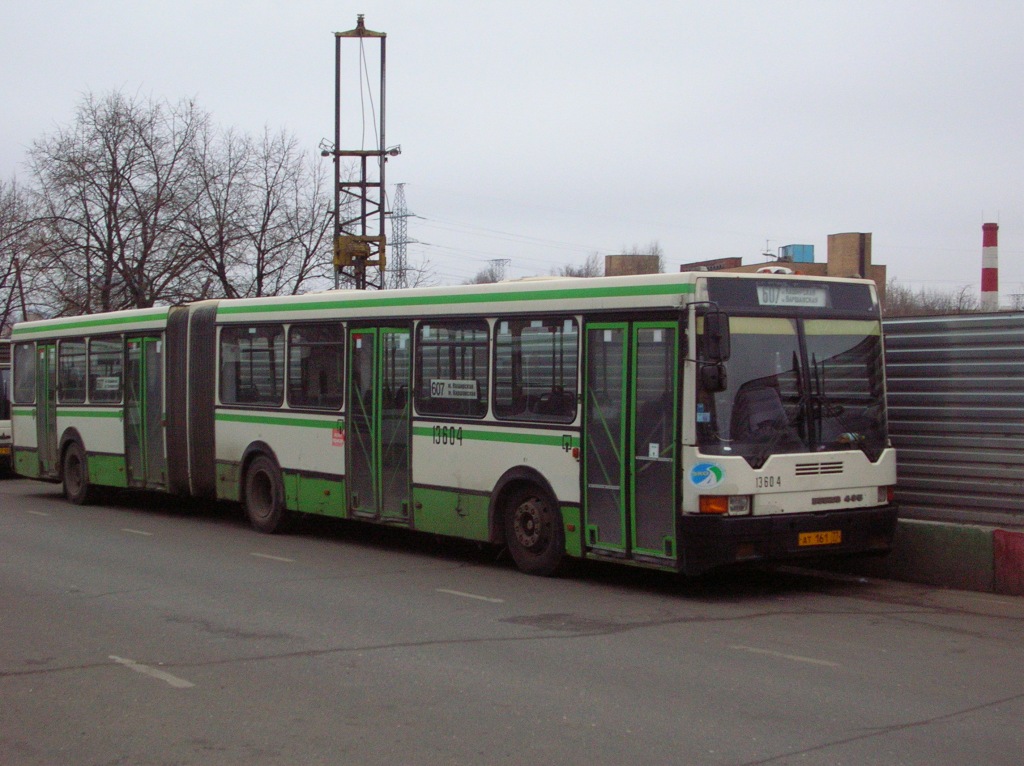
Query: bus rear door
x,y
144,413
46,401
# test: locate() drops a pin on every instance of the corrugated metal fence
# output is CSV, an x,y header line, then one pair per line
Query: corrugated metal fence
x,y
956,416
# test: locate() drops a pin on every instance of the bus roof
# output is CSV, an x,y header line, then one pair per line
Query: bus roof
x,y
555,294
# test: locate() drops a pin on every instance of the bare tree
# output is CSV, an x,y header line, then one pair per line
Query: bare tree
x,y
14,228
273,175
113,188
420,274
654,248
261,224
901,300
592,267
146,202
311,227
494,271
213,228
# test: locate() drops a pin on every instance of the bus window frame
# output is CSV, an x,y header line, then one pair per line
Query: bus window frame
x,y
115,340
280,379
330,325
563,411
22,368
64,369
481,403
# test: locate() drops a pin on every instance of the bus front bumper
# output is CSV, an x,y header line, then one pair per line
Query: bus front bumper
x,y
707,542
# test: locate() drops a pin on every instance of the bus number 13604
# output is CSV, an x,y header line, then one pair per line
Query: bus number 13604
x,y
448,435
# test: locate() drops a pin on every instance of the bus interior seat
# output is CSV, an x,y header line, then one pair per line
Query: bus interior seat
x,y
556,403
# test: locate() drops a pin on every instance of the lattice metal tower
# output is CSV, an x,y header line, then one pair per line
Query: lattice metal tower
x,y
400,215
359,251
499,267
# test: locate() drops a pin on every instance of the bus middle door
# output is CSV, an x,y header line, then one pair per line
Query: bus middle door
x,y
379,468
631,428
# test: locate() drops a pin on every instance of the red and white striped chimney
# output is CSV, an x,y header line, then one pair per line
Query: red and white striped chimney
x,y
990,267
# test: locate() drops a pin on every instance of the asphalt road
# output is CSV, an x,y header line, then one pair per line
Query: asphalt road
x,y
140,632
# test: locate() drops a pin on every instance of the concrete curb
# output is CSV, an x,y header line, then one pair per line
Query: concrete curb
x,y
962,556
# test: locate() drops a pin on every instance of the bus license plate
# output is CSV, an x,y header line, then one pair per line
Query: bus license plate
x,y
828,537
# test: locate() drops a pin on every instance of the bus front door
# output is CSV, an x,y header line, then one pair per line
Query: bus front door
x,y
631,434
379,467
46,401
144,413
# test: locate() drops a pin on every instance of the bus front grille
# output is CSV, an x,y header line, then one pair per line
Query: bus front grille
x,y
817,469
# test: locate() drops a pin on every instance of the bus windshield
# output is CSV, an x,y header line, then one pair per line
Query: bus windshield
x,y
796,385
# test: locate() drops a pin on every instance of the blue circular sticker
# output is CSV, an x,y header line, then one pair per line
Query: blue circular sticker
x,y
706,475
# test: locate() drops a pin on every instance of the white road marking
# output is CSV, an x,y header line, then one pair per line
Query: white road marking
x,y
136,532
273,558
38,513
781,655
146,670
459,593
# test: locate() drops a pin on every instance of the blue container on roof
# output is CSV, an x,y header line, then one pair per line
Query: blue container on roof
x,y
797,253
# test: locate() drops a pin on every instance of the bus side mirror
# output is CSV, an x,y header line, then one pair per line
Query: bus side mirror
x,y
713,378
717,343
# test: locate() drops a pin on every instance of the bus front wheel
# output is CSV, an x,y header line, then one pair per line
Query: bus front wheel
x,y
75,475
533,531
263,495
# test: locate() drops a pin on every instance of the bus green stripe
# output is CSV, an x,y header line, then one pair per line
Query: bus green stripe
x,y
270,420
462,299
509,437
79,323
62,412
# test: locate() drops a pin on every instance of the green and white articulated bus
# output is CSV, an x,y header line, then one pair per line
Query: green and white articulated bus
x,y
677,421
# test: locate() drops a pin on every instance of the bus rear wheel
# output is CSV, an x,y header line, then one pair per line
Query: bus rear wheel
x,y
75,475
263,496
533,531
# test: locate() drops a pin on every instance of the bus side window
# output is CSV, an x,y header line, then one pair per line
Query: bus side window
x,y
452,368
535,369
315,356
71,370
252,364
24,391
105,362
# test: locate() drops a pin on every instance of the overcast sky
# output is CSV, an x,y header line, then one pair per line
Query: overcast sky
x,y
543,132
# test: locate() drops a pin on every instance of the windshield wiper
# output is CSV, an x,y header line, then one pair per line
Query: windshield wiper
x,y
819,407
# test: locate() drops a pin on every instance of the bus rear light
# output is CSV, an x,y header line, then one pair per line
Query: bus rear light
x,y
732,505
886,494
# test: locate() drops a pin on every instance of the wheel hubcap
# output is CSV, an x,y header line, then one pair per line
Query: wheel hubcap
x,y
528,523
260,501
74,474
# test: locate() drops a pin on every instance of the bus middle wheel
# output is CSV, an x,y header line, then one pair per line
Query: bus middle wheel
x,y
263,496
75,475
533,531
